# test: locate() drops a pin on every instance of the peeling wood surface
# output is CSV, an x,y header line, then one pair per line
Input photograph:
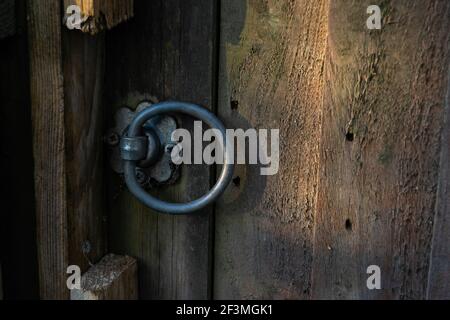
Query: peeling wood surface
x,y
102,14
165,52
271,60
113,278
380,149
7,18
47,103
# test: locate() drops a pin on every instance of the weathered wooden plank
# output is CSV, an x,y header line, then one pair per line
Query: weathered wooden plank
x,y
74,168
383,118
17,227
102,14
47,103
270,78
113,278
83,69
7,18
166,52
439,275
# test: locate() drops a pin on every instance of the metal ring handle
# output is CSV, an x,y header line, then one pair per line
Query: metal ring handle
x,y
130,165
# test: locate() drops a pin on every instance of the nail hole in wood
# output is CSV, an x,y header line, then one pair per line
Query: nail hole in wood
x,y
348,225
234,104
237,181
349,136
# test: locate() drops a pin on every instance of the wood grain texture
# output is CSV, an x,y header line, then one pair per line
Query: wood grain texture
x,y
83,68
113,278
47,103
102,14
439,275
271,60
7,18
166,52
381,142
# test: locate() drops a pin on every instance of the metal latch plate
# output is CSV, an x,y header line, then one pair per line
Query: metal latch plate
x,y
162,171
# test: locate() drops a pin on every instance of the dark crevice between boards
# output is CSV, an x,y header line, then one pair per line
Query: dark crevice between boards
x,y
214,170
18,253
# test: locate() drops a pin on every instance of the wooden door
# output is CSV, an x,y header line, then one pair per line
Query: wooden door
x,y
364,145
167,52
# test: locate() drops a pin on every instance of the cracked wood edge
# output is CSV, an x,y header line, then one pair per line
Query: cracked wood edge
x,y
113,278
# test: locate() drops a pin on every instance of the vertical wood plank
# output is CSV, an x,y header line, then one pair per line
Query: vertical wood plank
x,y
47,101
69,176
439,275
102,14
167,52
381,141
7,18
83,70
271,60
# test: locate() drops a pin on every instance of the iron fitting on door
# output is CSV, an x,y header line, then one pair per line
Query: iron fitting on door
x,y
137,149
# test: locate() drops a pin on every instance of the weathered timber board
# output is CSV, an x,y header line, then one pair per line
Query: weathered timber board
x,y
67,75
271,59
83,68
439,275
167,52
47,104
381,141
